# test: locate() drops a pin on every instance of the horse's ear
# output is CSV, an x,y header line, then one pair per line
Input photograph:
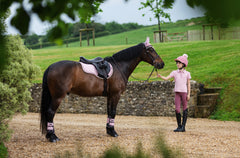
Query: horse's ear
x,y
147,42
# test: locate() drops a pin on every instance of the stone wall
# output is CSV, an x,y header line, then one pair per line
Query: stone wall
x,y
140,99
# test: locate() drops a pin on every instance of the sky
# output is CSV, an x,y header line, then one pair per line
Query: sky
x,y
118,11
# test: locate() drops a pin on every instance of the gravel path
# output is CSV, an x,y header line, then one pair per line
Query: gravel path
x,y
203,138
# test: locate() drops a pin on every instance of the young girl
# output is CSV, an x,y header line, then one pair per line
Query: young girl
x,y
182,90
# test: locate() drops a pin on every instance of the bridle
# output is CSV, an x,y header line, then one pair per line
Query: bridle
x,y
147,52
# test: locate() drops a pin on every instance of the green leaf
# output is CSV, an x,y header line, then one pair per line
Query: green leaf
x,y
21,20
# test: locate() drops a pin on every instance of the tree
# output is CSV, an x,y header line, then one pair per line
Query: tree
x,y
51,11
15,83
113,27
3,52
156,6
32,39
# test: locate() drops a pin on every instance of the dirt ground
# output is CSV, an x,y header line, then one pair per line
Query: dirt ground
x,y
203,138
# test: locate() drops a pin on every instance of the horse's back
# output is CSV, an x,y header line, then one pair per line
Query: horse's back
x,y
68,77
61,75
62,63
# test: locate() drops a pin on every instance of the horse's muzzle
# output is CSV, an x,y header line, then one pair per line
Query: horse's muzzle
x,y
159,65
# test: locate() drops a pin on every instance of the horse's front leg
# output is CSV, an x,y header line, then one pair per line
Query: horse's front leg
x,y
112,102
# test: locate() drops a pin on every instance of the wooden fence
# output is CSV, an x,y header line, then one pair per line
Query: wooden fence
x,y
198,35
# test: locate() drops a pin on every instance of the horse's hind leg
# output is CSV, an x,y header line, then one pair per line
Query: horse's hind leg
x,y
112,102
51,136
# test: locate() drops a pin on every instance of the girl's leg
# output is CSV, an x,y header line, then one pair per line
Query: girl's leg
x,y
185,111
177,111
177,102
184,101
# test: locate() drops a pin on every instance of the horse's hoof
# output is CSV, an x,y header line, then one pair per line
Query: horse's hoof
x,y
111,131
51,137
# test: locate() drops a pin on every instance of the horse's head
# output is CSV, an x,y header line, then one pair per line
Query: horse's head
x,y
150,56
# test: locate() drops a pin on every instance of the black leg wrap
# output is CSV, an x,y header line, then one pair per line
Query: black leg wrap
x,y
51,137
51,133
111,131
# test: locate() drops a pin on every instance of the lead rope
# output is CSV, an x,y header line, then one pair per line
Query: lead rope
x,y
151,73
148,76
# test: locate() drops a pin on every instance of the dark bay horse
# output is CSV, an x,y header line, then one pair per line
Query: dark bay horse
x,y
64,77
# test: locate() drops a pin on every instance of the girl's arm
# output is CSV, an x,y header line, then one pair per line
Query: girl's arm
x,y
188,89
163,77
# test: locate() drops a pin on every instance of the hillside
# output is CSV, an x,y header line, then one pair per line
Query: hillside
x,y
136,36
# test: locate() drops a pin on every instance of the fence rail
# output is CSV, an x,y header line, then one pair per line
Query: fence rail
x,y
198,35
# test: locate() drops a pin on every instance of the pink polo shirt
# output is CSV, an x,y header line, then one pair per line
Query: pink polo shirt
x,y
180,78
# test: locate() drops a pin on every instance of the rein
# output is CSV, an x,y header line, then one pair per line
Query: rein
x,y
151,73
148,76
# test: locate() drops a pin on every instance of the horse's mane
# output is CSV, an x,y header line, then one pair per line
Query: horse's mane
x,y
128,53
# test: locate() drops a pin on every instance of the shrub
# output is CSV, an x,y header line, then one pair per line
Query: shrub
x,y
15,83
3,149
229,107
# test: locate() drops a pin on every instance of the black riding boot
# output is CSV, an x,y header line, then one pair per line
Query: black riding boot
x,y
185,114
178,117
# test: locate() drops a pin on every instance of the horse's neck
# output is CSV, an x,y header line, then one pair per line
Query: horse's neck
x,y
128,67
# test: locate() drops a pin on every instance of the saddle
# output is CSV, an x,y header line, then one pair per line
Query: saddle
x,y
101,65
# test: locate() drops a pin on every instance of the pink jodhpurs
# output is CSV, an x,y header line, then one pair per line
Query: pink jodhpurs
x,y
180,97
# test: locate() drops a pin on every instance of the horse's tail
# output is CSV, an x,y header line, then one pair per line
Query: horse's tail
x,y
45,102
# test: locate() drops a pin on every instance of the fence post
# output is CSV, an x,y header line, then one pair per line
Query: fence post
x,y
154,37
203,32
93,33
212,31
80,39
219,33
87,38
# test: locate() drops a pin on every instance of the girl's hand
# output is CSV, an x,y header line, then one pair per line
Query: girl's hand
x,y
158,75
188,97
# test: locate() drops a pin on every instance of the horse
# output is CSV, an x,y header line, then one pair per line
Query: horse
x,y
64,77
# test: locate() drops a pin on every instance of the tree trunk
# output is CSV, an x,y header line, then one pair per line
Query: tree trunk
x,y
159,29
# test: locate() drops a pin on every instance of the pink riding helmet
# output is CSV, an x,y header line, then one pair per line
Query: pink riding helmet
x,y
183,59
